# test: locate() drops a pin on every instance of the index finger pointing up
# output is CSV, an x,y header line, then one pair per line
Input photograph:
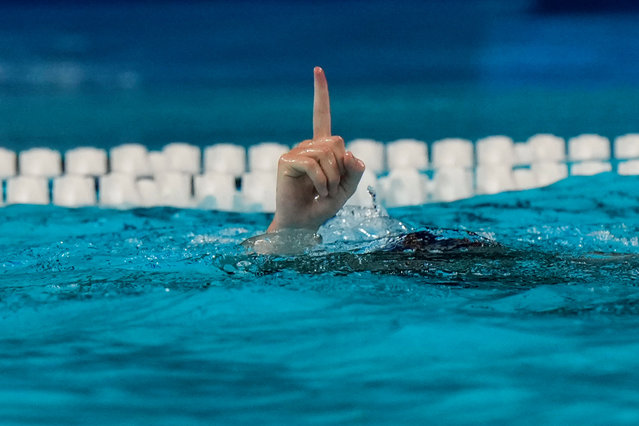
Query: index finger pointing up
x,y
321,106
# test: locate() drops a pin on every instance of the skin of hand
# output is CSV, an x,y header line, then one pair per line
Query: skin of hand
x,y
318,176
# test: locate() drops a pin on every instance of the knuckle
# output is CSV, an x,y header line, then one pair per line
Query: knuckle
x,y
326,150
285,158
306,161
337,143
303,144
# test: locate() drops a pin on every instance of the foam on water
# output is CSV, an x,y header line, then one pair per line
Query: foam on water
x,y
110,314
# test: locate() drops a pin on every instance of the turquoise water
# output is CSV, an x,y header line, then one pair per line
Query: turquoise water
x,y
159,317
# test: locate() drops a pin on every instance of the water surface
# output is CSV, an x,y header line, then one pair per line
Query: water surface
x,y
158,316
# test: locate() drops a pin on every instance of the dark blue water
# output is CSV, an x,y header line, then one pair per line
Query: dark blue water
x,y
105,73
159,317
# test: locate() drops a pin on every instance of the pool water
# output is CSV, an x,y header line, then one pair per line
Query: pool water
x,y
105,73
159,317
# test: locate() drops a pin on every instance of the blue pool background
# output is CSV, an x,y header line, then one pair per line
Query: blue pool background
x,y
104,73
157,316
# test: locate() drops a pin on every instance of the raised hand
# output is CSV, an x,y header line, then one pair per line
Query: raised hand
x,y
318,176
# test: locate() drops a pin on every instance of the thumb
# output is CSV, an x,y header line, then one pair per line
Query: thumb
x,y
354,171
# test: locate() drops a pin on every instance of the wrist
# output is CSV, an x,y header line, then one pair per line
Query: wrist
x,y
273,227
277,224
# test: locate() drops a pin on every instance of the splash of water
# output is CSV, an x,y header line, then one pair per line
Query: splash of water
x,y
359,224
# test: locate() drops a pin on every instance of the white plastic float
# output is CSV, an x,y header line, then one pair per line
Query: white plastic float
x,y
548,161
130,159
452,152
215,191
175,189
628,168
165,189
407,154
404,187
494,178
74,191
546,148
28,190
174,177
42,162
8,163
85,161
523,153
258,191
524,179
225,158
149,192
371,152
497,150
589,147
119,190
547,173
158,162
627,147
589,168
182,157
263,157
495,158
587,151
453,183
